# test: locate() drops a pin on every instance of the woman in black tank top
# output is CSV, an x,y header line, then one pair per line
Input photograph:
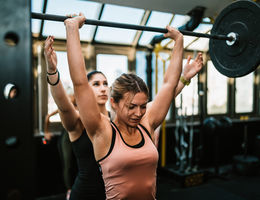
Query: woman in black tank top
x,y
88,183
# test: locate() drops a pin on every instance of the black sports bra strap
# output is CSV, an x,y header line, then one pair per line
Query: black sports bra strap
x,y
147,132
112,143
132,146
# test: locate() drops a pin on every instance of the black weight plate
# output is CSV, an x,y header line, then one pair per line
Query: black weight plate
x,y
243,57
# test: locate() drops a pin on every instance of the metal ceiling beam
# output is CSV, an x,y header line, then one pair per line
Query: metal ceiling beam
x,y
42,21
143,22
99,17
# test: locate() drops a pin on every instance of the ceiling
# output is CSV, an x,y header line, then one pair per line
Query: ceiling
x,y
213,7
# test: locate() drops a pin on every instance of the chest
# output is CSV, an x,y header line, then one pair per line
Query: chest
x,y
143,155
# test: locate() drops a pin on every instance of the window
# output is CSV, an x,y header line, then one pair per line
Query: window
x,y
119,14
216,91
162,62
57,29
37,6
157,19
141,65
199,44
112,66
244,93
114,13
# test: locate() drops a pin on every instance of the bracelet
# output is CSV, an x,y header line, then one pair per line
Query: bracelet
x,y
58,80
184,81
52,73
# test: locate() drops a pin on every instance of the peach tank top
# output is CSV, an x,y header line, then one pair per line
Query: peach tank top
x,y
129,172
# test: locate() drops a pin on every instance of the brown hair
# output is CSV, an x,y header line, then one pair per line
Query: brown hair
x,y
92,73
127,83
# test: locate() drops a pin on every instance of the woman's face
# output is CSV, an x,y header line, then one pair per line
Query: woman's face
x,y
99,84
132,108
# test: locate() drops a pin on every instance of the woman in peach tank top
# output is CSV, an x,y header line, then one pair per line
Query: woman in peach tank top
x,y
125,149
136,177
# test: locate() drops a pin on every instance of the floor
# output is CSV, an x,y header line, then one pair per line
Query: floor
x,y
229,186
225,187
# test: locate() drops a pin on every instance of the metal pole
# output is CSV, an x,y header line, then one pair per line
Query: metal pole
x,y
128,26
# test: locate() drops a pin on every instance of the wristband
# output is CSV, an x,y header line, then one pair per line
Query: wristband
x,y
52,73
184,81
58,80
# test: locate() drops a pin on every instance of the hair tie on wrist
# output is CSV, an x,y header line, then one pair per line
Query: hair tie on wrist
x,y
58,80
52,73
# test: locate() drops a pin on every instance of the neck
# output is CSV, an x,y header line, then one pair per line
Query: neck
x,y
103,110
123,127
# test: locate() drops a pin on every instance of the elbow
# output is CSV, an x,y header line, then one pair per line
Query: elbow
x,y
70,126
77,84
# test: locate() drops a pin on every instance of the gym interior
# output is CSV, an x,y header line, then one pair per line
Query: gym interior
x,y
209,145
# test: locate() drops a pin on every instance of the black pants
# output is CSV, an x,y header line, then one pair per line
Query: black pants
x,y
68,160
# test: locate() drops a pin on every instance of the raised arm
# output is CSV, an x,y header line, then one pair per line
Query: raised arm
x,y
159,107
87,105
189,71
68,114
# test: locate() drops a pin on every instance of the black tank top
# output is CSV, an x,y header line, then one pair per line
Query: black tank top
x,y
89,183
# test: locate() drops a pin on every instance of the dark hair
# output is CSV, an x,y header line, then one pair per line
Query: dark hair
x,y
127,83
92,73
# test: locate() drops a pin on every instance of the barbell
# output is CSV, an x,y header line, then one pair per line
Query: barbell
x,y
234,40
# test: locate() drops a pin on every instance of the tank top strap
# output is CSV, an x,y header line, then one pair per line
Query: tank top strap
x,y
113,125
147,132
140,144
112,142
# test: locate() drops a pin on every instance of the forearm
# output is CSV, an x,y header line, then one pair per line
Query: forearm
x,y
65,106
181,84
75,56
174,70
178,89
189,71
46,124
61,98
167,91
47,120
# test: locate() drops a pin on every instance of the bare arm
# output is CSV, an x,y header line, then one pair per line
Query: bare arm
x,y
69,116
163,99
47,134
89,112
157,136
189,71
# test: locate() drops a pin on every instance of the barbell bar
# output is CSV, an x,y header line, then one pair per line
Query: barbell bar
x,y
52,17
234,45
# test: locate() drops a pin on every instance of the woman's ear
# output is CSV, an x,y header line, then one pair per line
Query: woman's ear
x,y
112,103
